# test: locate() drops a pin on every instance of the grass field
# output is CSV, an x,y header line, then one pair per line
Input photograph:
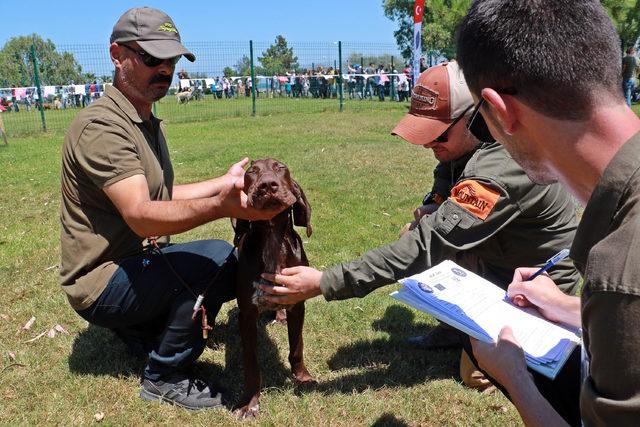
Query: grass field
x,y
362,184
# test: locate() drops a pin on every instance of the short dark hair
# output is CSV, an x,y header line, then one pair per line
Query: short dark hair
x,y
562,57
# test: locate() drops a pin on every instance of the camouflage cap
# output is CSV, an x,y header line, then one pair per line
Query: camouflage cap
x,y
153,30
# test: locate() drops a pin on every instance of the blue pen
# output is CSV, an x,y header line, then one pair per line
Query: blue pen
x,y
551,262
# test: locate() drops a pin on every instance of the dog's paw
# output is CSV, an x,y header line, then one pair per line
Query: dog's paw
x,y
247,411
303,377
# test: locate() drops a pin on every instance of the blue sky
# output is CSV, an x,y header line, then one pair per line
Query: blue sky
x,y
84,30
72,21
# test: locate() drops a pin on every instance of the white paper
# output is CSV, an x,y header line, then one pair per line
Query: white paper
x,y
479,308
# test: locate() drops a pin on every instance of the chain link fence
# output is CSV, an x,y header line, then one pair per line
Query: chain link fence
x,y
228,79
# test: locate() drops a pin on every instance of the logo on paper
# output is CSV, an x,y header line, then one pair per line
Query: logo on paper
x,y
459,272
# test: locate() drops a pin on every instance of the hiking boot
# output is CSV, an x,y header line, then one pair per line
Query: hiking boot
x,y
181,390
440,337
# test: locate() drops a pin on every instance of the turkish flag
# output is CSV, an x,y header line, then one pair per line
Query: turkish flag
x,y
418,9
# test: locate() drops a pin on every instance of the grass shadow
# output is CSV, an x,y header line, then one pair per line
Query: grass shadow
x,y
97,351
390,362
389,420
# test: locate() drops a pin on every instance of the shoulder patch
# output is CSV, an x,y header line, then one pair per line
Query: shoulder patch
x,y
475,197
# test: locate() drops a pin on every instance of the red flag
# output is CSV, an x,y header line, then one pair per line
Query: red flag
x,y
418,9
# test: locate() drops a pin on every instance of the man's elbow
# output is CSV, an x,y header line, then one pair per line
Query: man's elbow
x,y
138,224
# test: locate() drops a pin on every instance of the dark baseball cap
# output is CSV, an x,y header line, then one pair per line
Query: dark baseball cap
x,y
153,30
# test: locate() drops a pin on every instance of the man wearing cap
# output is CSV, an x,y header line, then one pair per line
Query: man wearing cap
x,y
119,206
491,205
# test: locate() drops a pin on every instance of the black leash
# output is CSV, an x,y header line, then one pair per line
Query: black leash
x,y
198,306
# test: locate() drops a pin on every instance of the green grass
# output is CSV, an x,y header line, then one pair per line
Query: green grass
x,y
362,184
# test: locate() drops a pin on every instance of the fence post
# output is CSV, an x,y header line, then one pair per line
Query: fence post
x,y
392,94
340,76
253,81
37,78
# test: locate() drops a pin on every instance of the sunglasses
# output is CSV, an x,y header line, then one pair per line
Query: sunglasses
x,y
443,136
477,125
151,61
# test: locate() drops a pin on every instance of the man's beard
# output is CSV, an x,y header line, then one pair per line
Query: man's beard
x,y
157,93
149,92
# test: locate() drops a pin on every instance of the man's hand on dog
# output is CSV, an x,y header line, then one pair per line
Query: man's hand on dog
x,y
296,284
236,200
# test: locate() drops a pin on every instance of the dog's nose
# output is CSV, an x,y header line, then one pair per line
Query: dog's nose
x,y
269,185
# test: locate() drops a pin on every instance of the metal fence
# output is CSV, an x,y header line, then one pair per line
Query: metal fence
x,y
328,76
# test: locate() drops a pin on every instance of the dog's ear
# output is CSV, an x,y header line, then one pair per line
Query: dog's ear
x,y
301,209
240,227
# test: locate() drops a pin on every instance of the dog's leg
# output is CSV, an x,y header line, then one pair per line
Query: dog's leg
x,y
249,404
295,321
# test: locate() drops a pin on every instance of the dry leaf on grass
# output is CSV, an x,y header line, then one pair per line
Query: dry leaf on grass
x,y
12,355
60,329
4,317
99,416
29,324
51,333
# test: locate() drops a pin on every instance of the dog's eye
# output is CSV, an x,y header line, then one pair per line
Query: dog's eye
x,y
252,170
279,167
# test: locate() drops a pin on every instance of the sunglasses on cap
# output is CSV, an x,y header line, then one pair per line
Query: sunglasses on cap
x,y
151,61
443,136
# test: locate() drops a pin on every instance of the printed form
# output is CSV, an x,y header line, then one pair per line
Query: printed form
x,y
479,308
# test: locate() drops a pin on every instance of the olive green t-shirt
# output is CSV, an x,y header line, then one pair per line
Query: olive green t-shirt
x,y
107,142
606,251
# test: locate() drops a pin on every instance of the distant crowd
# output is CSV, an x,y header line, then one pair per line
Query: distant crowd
x,y
358,82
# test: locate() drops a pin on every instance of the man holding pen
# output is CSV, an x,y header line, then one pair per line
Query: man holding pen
x,y
549,89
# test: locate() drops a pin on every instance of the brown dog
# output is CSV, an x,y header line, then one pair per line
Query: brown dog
x,y
269,246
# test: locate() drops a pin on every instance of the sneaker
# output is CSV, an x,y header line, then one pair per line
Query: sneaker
x,y
183,391
440,337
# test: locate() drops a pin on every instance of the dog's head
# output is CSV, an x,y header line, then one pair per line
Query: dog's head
x,y
268,184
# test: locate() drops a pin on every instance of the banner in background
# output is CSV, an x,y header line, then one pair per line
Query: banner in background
x,y
418,9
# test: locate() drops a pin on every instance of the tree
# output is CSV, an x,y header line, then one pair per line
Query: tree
x,y
439,24
278,58
243,66
55,68
625,15
228,72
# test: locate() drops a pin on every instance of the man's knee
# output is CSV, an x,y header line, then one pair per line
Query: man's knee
x,y
471,375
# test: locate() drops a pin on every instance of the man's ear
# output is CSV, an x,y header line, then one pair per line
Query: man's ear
x,y
505,109
115,52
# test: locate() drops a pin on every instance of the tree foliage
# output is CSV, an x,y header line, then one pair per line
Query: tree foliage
x,y
440,20
56,68
626,17
278,58
243,66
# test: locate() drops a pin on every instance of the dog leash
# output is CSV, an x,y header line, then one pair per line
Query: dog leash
x,y
199,304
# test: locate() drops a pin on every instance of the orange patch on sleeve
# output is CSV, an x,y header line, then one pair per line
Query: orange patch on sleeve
x,y
475,197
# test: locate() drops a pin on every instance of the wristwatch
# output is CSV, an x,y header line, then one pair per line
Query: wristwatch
x,y
432,197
